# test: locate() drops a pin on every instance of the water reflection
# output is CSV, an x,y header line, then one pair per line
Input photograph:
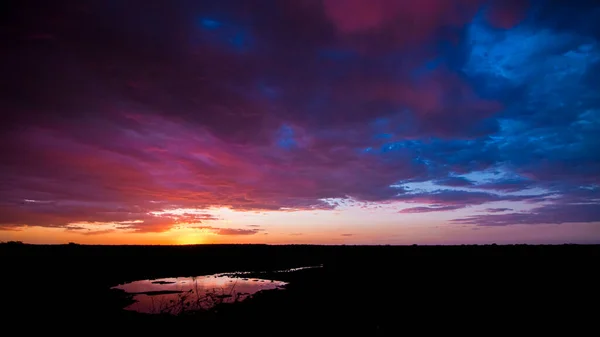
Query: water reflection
x,y
176,295
182,294
241,273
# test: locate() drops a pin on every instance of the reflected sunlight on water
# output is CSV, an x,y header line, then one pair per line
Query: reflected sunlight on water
x,y
181,294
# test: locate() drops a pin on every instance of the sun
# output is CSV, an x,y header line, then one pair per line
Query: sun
x,y
191,239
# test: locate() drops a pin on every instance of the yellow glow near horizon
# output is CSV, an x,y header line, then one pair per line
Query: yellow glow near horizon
x,y
348,225
183,235
191,239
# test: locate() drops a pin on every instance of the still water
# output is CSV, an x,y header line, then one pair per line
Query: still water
x,y
177,295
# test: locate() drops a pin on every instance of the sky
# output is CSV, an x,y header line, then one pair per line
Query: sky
x,y
300,121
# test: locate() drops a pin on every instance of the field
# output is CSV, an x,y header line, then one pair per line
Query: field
x,y
365,290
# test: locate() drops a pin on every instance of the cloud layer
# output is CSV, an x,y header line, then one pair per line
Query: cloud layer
x,y
119,112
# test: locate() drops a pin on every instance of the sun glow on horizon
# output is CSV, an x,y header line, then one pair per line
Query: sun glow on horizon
x,y
192,238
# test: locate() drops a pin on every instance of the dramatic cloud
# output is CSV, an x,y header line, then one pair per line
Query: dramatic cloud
x,y
498,210
578,205
436,208
120,114
441,198
549,214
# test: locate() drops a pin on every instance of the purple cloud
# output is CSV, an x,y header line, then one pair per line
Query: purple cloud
x,y
279,107
548,214
441,198
497,210
431,209
229,231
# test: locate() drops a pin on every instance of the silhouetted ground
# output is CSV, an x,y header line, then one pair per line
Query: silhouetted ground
x,y
362,290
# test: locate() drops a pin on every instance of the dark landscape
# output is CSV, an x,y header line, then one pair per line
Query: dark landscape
x,y
372,290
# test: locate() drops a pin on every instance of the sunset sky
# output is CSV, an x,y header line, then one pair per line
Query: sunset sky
x,y
300,121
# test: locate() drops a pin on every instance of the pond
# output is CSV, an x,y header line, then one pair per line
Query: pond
x,y
177,295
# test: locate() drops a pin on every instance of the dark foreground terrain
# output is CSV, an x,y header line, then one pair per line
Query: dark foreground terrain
x,y
361,290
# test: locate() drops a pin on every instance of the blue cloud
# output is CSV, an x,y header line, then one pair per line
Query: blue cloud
x,y
544,75
285,138
210,24
234,36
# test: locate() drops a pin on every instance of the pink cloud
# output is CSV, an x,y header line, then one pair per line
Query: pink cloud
x,y
230,231
416,21
154,119
506,13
